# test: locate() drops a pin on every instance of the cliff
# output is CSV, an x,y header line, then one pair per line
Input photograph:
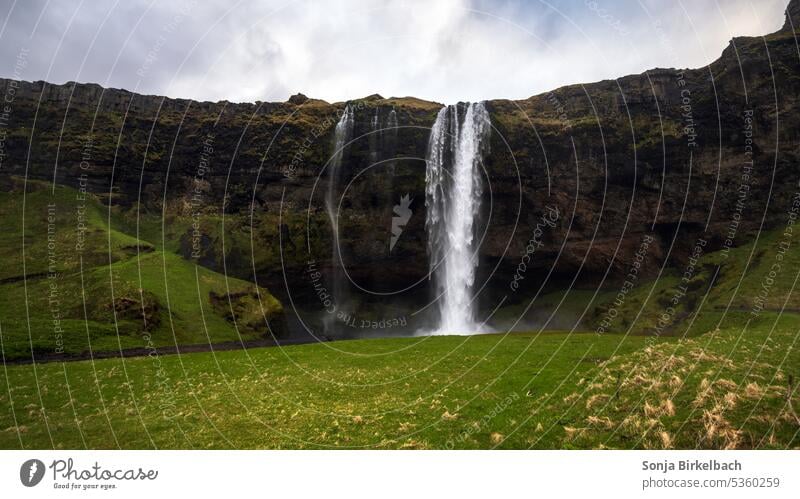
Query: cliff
x,y
677,155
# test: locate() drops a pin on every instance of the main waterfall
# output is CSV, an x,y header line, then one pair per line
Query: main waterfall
x,y
343,133
452,197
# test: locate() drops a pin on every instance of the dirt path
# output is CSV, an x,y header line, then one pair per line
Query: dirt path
x,y
166,350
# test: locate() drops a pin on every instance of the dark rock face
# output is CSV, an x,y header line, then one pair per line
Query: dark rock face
x,y
297,99
792,16
675,155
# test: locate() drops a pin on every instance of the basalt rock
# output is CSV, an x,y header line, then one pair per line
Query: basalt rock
x,y
669,154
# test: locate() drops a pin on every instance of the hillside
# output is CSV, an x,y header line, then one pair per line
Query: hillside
x,y
77,289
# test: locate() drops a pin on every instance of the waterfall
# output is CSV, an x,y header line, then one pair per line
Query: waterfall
x,y
452,197
342,134
390,139
374,138
383,139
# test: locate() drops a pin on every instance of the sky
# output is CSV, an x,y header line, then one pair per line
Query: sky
x,y
441,50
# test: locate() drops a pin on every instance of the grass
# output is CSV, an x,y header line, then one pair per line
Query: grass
x,y
410,392
731,388
118,292
24,222
726,389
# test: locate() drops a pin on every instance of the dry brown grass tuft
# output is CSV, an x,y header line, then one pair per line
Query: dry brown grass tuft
x,y
664,408
668,407
700,355
753,391
639,380
632,423
651,410
666,440
730,400
711,424
600,422
595,399
414,445
719,432
726,384
573,433
404,427
672,362
702,394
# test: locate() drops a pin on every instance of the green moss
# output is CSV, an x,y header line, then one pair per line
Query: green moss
x,y
117,292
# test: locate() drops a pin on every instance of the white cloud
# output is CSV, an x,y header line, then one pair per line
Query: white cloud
x,y
446,50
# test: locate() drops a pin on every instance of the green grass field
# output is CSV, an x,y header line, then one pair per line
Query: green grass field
x,y
725,389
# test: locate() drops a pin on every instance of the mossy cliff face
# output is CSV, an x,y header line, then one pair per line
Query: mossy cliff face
x,y
673,154
665,154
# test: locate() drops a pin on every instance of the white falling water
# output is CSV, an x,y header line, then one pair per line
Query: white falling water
x,y
342,134
452,197
390,139
374,138
383,139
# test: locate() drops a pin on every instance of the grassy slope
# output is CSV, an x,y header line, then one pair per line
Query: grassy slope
x,y
170,288
729,388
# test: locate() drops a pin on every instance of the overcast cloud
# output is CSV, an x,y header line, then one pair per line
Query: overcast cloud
x,y
444,50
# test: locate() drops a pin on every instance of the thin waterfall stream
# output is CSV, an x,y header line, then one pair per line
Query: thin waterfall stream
x,y
343,133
